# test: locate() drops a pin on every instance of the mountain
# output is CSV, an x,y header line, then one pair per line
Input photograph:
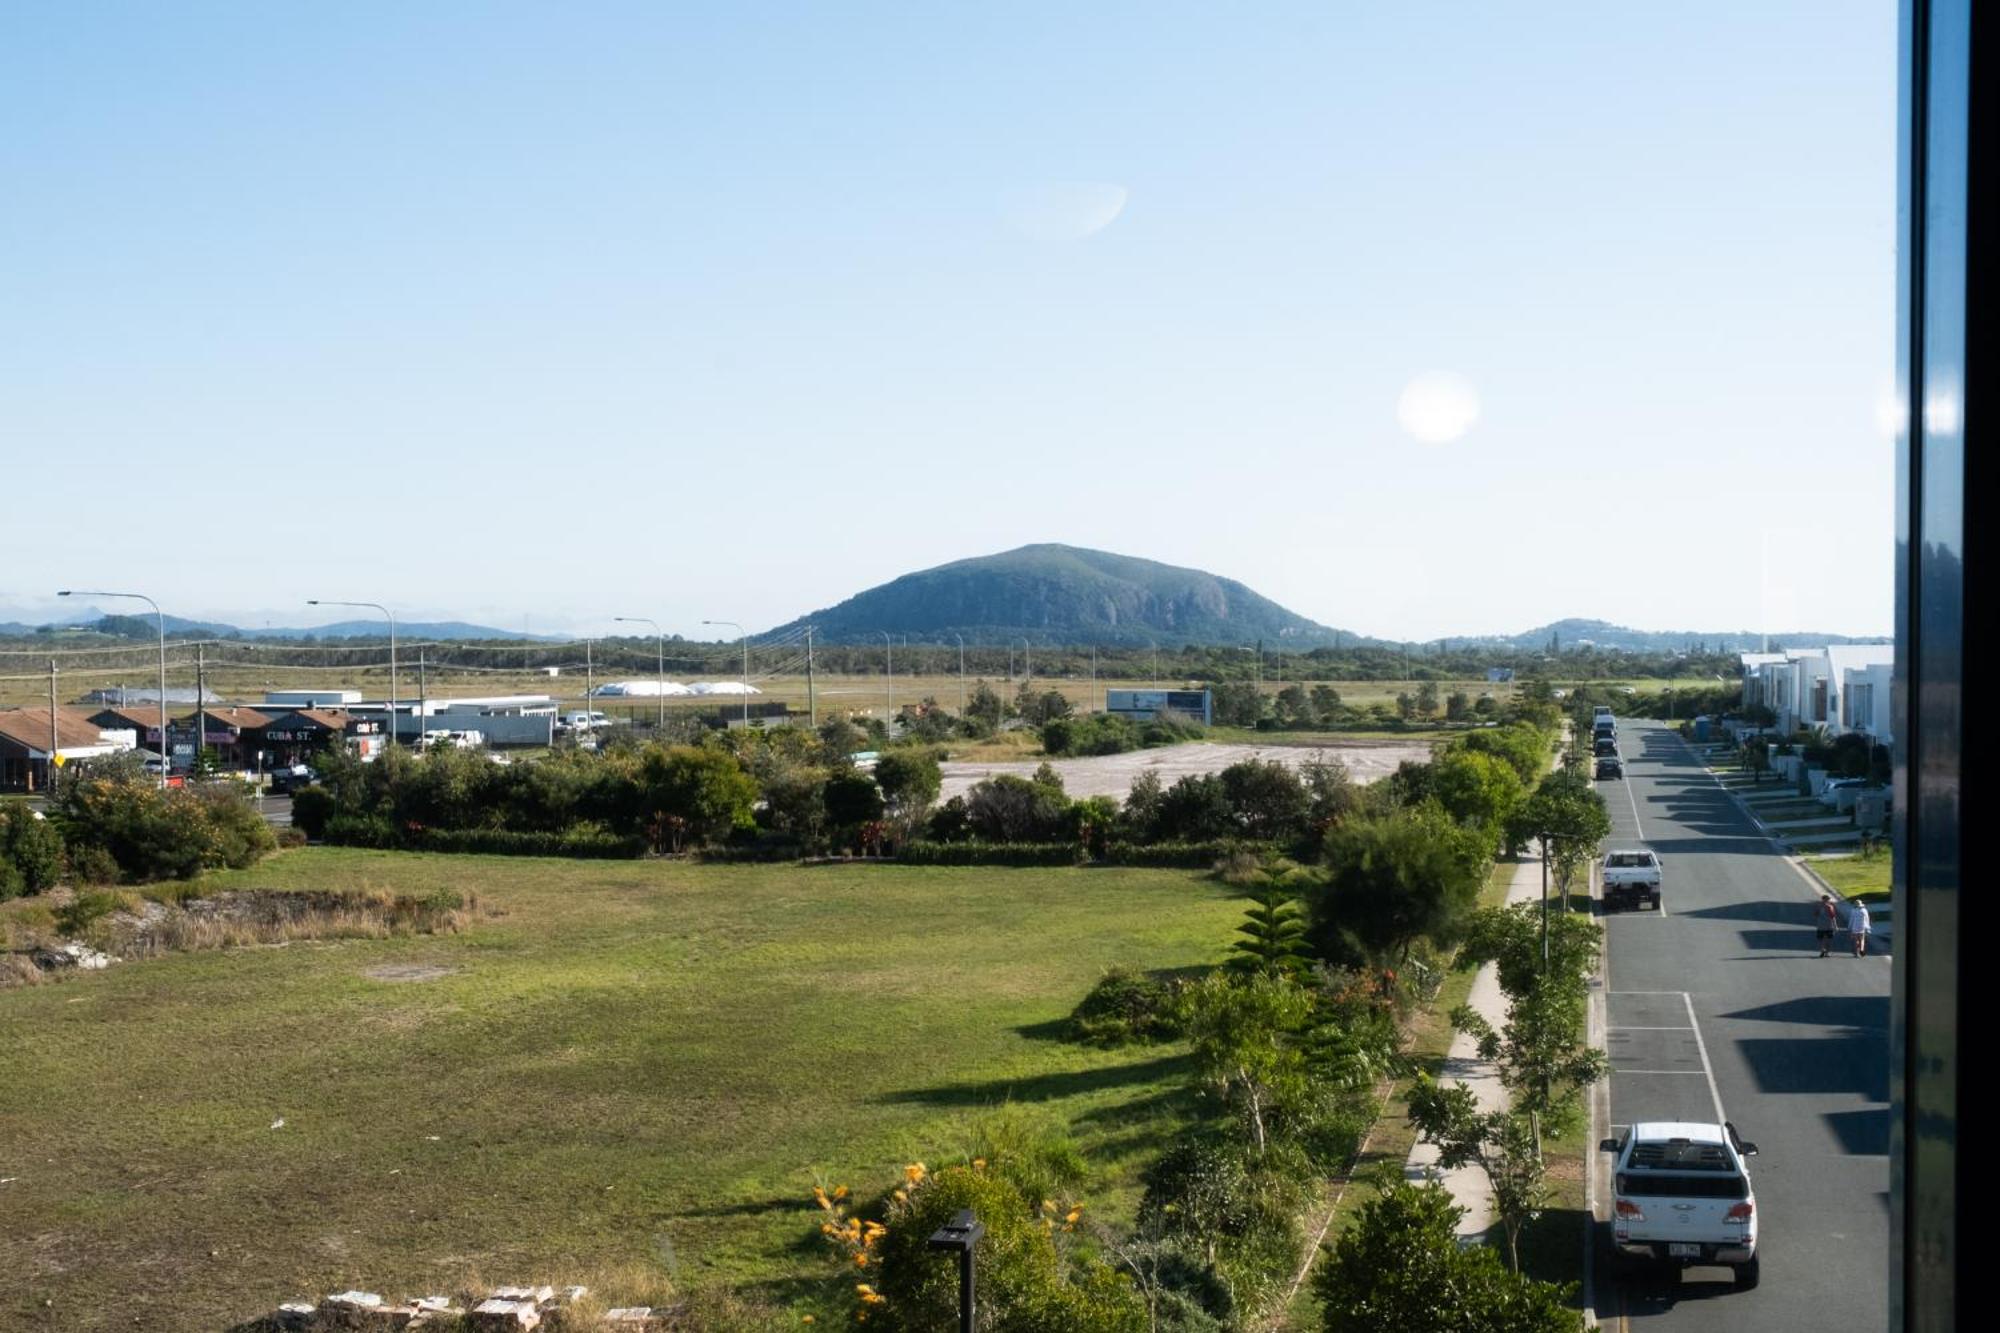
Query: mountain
x,y
1056,594
1574,633
125,626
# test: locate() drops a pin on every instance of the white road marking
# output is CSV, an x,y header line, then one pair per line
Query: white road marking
x,y
1688,1072
1707,1069
1627,1027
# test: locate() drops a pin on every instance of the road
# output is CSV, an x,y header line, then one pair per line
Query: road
x,y
1722,999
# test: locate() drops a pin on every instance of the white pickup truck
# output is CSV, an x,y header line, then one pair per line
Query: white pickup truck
x,y
1631,878
1681,1195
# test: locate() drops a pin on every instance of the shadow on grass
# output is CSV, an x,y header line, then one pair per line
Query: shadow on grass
x,y
1043,1087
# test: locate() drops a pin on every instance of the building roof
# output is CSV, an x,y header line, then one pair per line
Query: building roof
x,y
332,719
1844,657
29,728
235,715
138,716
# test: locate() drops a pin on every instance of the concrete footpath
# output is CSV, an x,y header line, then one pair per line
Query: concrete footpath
x,y
1462,1065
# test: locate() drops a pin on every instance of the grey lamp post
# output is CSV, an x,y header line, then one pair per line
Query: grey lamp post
x,y
161,621
376,606
961,673
745,637
660,669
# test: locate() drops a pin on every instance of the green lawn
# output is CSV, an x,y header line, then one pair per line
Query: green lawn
x,y
628,1065
1851,875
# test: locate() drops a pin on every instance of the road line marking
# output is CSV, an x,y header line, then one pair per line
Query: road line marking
x,y
1635,1027
1656,1071
1646,992
1706,1068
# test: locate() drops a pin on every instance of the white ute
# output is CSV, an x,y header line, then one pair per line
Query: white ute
x,y
1681,1195
1632,878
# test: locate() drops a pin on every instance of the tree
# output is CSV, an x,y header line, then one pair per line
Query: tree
x,y
1294,706
852,799
1035,709
693,794
1524,747
1266,798
1457,708
1391,879
1567,817
31,850
1325,702
1501,1143
1478,790
1010,809
1140,817
1274,934
1195,808
1237,703
984,707
1427,698
909,778
1330,791
1244,1031
1406,706
1400,1267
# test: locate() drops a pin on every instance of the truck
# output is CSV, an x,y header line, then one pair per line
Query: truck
x,y
1631,878
1681,1195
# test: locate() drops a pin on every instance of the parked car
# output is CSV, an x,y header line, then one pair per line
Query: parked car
x,y
1632,878
1831,794
1605,745
1681,1195
285,781
1610,766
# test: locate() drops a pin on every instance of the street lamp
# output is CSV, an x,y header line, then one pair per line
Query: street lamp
x,y
746,662
888,678
376,606
961,673
958,1236
161,621
660,670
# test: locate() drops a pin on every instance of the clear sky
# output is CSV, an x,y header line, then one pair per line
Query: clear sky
x,y
544,313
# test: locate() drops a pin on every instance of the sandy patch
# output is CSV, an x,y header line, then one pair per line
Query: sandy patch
x,y
1113,774
408,972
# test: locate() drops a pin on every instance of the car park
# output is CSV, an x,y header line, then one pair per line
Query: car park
x,y
1632,878
1682,1197
1610,766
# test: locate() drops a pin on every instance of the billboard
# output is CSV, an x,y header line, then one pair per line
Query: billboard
x,y
1138,704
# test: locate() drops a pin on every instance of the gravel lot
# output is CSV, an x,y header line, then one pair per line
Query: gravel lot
x,y
1112,774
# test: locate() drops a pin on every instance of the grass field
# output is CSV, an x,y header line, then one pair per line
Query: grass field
x,y
624,1065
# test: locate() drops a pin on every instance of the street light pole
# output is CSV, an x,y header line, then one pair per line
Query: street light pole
x,y
888,678
744,635
161,621
660,668
376,606
961,673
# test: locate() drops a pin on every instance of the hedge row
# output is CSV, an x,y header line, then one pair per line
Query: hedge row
x,y
360,831
1172,855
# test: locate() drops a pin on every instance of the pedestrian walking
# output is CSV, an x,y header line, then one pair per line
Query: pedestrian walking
x,y
1826,916
1857,928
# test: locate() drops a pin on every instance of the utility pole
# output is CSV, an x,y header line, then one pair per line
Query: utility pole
x,y
423,699
961,673
589,682
812,707
1093,678
54,743
200,703
888,678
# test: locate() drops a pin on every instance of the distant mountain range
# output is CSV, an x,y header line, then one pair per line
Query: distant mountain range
x,y
94,621
1047,594
1566,635
1052,594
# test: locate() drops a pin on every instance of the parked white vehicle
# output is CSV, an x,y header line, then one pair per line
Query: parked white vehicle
x,y
1681,1195
585,720
1632,878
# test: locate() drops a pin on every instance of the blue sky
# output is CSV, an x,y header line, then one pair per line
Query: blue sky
x,y
542,314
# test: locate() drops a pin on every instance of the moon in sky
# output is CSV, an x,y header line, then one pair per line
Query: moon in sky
x,y
1064,210
1437,407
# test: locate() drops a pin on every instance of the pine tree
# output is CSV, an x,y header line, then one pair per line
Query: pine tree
x,y
1274,931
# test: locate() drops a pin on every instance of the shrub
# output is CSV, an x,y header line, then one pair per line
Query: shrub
x,y
1011,809
154,834
31,851
90,864
989,853
1171,855
582,843
909,777
852,799
1125,1006
85,910
312,809
1026,1283
290,837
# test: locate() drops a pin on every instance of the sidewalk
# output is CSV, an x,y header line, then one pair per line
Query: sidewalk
x,y
1463,1065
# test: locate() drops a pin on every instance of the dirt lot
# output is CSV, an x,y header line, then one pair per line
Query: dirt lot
x,y
1112,774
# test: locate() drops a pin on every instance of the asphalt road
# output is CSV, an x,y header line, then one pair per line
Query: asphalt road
x,y
1722,999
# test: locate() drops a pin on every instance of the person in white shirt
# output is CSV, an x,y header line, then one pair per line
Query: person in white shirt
x,y
1857,927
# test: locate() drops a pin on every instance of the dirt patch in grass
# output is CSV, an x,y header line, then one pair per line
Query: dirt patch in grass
x,y
407,972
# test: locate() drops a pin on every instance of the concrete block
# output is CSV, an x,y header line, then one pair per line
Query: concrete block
x,y
496,1313
630,1316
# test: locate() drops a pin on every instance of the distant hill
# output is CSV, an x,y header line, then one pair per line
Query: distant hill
x,y
1572,634
124,626
1057,594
